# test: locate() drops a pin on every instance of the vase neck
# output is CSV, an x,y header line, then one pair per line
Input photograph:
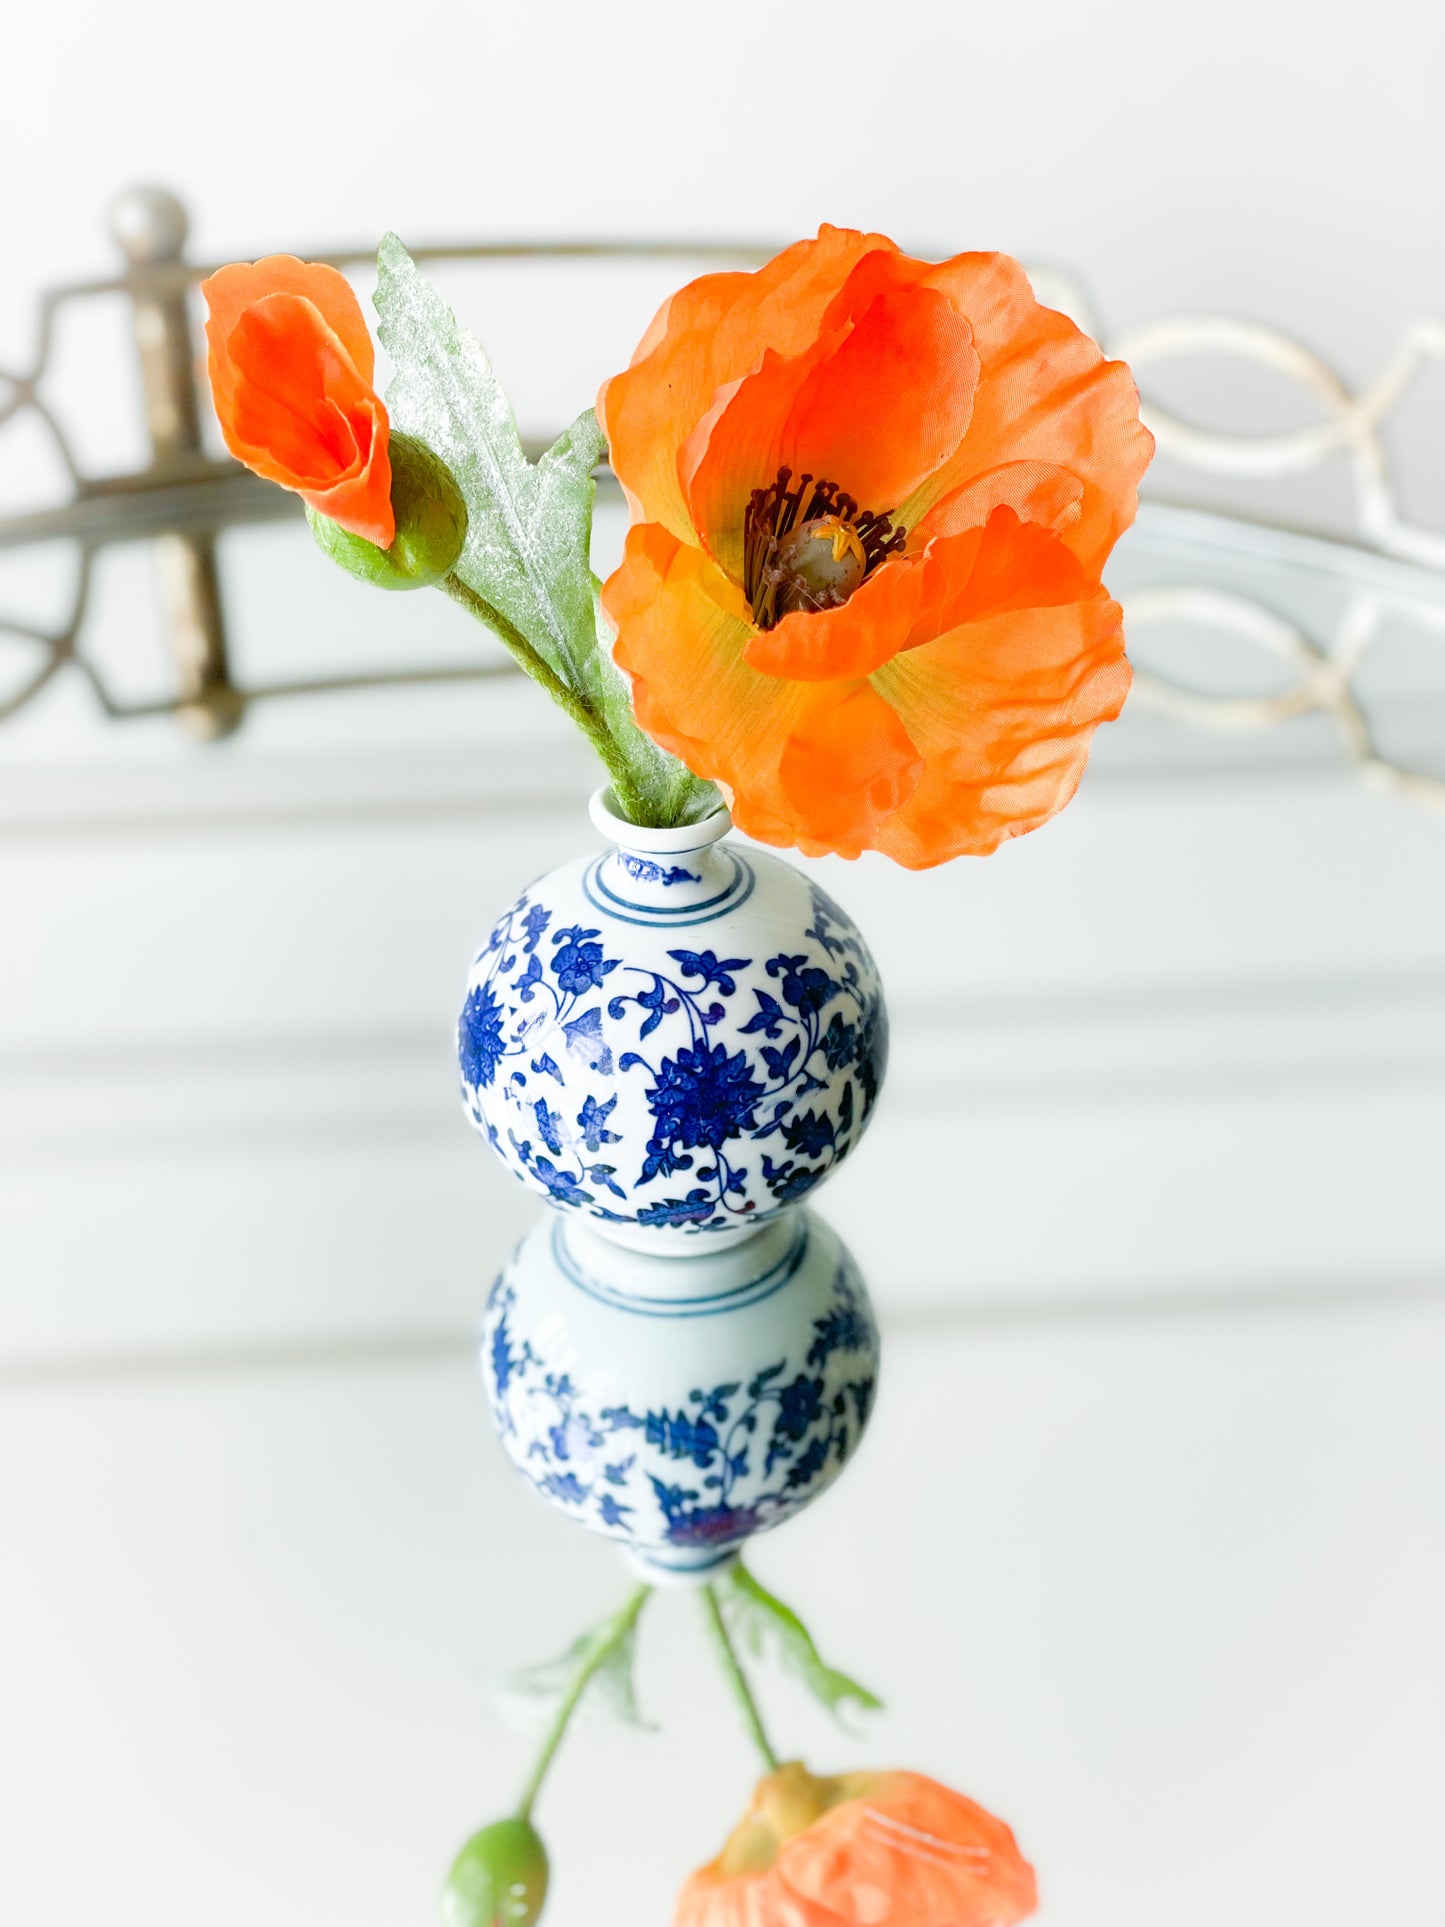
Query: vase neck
x,y
660,874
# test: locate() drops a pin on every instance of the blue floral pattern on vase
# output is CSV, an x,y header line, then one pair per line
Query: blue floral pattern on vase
x,y
696,1467
643,870
661,1084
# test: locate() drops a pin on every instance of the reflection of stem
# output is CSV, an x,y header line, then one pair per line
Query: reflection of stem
x,y
540,670
737,1679
738,1424
604,1641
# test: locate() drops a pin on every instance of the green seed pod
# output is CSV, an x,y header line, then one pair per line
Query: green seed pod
x,y
431,524
499,1879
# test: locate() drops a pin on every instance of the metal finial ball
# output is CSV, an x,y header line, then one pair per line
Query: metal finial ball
x,y
149,224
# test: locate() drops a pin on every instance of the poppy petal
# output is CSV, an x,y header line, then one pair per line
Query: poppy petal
x,y
853,640
737,447
298,396
1003,563
875,273
706,335
682,633
847,766
1003,711
231,290
890,403
301,415
1006,564
1045,394
1039,492
361,503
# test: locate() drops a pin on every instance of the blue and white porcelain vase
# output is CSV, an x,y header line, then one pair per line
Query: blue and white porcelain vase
x,y
675,1039
673,1042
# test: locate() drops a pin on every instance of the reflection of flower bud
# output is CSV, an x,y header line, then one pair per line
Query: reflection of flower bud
x,y
431,524
499,1879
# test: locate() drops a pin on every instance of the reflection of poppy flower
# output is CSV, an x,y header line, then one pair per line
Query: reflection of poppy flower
x,y
871,501
864,1850
291,363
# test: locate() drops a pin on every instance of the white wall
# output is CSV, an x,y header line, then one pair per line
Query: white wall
x,y
1280,157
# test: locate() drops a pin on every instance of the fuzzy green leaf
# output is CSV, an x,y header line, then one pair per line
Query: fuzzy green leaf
x,y
759,1620
529,525
529,1696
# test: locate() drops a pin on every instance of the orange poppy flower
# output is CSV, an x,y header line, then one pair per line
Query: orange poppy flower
x,y
291,364
871,501
863,1850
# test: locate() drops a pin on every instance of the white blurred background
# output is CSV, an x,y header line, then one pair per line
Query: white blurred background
x,y
1148,1546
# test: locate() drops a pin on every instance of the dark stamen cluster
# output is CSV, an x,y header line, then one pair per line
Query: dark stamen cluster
x,y
774,588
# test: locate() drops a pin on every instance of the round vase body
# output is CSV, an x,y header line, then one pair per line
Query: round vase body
x,y
680,1405
675,1039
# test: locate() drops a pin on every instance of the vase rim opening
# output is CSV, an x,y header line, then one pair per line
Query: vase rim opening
x,y
656,842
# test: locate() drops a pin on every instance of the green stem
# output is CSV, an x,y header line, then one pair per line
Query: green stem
x,y
566,698
736,1678
604,1641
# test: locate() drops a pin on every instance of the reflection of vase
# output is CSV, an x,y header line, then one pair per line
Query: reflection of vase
x,y
680,1404
675,1039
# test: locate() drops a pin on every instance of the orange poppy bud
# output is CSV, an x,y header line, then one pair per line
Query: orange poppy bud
x,y
431,525
861,1850
871,500
291,364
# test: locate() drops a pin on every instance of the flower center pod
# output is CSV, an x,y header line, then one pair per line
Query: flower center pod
x,y
809,547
